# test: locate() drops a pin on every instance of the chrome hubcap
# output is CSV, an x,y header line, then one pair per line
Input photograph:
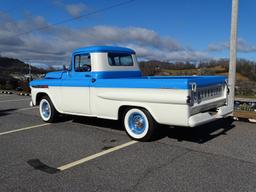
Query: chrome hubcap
x,y
137,123
45,109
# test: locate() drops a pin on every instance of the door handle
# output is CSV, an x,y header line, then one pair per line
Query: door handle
x,y
87,75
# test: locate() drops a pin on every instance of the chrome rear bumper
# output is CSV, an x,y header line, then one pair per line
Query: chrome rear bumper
x,y
206,117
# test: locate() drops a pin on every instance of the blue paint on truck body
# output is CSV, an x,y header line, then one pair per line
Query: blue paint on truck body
x,y
122,79
133,79
54,75
104,49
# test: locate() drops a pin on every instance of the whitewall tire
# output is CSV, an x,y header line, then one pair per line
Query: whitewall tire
x,y
139,124
47,111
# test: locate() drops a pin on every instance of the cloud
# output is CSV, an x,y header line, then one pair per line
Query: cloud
x,y
75,10
134,35
53,45
242,46
217,46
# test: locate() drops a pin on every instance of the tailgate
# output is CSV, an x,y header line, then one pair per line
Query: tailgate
x,y
208,93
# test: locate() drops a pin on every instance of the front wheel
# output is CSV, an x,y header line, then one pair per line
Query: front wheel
x,y
47,111
139,124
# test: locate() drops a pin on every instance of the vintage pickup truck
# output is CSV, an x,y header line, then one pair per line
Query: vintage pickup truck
x,y
106,82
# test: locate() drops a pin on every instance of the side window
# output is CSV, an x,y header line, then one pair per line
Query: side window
x,y
83,63
120,59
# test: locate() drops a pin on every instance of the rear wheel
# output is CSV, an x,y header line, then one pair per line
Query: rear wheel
x,y
47,111
139,124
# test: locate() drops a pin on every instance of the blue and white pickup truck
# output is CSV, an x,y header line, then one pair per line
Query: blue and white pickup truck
x,y
106,82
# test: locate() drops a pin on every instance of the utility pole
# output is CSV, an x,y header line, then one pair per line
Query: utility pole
x,y
30,72
232,54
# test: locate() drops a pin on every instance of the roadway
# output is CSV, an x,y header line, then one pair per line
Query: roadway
x,y
89,154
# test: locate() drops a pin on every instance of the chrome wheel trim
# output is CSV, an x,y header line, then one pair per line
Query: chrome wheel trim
x,y
136,123
45,109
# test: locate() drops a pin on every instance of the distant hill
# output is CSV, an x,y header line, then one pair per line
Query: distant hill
x,y
10,66
245,76
14,71
246,70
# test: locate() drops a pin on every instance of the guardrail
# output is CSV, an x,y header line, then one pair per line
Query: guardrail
x,y
245,108
15,92
245,104
6,92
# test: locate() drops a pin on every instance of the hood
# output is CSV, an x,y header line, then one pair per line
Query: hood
x,y
54,75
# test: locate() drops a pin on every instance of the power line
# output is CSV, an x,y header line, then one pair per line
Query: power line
x,y
12,9
76,18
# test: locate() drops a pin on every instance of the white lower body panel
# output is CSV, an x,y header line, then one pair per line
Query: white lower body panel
x,y
167,106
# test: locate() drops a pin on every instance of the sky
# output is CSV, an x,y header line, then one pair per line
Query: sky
x,y
46,32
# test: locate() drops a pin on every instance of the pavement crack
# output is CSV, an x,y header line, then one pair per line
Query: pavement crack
x,y
153,169
208,153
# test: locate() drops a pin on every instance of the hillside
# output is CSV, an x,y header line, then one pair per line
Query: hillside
x,y
14,71
14,66
246,72
217,70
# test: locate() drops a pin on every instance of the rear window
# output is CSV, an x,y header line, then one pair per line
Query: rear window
x,y
115,59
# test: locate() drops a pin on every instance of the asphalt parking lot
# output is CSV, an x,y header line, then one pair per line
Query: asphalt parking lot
x,y
89,154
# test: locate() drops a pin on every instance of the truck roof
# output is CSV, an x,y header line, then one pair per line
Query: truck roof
x,y
108,49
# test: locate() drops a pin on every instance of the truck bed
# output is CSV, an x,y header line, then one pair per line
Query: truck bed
x,y
165,82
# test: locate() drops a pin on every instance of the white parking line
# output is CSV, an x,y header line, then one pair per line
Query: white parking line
x,y
23,129
5,95
83,160
28,108
15,100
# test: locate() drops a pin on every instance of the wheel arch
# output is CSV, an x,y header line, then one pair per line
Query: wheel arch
x,y
123,108
39,96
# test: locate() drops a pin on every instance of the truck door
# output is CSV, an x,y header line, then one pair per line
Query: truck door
x,y
75,97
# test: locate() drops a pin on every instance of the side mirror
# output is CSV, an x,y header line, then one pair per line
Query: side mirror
x,y
65,68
